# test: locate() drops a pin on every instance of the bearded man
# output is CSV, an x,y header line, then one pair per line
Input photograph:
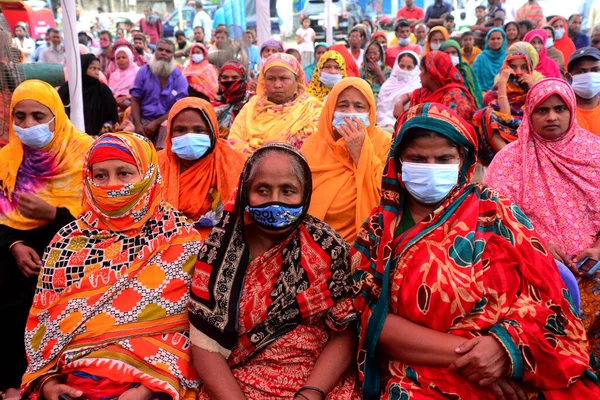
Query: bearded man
x,y
158,85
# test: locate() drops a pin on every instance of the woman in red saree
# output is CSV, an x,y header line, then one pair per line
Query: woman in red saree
x,y
442,83
109,315
271,309
456,293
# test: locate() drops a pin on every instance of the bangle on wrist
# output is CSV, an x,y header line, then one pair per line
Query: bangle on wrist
x,y
311,388
48,378
298,394
14,244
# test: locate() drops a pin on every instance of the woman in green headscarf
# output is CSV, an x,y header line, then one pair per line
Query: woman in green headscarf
x,y
453,49
309,70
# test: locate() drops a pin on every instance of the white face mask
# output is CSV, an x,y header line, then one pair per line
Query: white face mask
x,y
403,41
403,75
329,80
586,85
435,46
455,60
37,136
429,183
559,33
549,42
197,58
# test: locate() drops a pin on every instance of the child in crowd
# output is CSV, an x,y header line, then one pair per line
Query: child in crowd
x,y
469,50
305,36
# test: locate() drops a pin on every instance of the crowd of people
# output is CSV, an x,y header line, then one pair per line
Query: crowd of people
x,y
379,219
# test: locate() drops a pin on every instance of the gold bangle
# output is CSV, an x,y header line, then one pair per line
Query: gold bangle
x,y
46,379
14,244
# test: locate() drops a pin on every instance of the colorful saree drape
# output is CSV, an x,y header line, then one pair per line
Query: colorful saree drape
x,y
53,173
545,66
565,45
202,76
474,266
451,93
344,193
262,121
464,68
232,96
316,88
110,307
269,315
555,183
201,191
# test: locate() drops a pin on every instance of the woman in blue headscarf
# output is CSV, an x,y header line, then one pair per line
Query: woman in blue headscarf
x,y
487,64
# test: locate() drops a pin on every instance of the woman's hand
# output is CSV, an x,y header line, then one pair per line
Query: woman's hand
x,y
484,361
374,67
27,259
592,252
527,79
505,74
506,389
561,256
353,132
31,206
53,388
138,393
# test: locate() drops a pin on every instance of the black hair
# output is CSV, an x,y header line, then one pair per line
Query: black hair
x,y
201,27
465,34
292,51
505,27
481,7
360,31
573,16
304,19
105,32
413,59
166,41
222,30
402,23
449,17
526,23
199,5
179,33
411,135
51,31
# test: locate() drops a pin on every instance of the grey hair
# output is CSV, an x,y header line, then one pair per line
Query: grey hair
x,y
423,25
595,30
259,158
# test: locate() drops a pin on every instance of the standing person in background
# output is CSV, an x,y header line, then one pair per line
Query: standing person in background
x,y
103,19
584,76
251,50
356,37
151,25
36,56
413,14
305,36
435,14
202,19
562,41
104,52
533,12
55,52
468,49
402,29
22,41
579,39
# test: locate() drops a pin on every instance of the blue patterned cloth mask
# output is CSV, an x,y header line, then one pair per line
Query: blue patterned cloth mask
x,y
275,216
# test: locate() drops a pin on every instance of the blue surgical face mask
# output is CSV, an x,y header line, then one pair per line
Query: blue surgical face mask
x,y
338,118
559,33
403,41
37,136
549,42
329,80
275,216
429,183
191,146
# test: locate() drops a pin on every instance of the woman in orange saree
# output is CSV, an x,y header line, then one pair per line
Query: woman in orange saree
x,y
109,314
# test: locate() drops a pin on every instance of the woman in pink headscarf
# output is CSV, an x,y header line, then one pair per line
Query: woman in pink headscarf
x,y
122,79
139,59
551,172
546,66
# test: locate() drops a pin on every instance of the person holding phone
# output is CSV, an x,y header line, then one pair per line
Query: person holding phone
x,y
551,172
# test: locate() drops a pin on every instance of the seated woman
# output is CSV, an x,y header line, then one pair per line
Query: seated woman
x,y
454,51
489,62
138,56
331,69
271,312
232,96
562,41
346,158
201,75
551,173
461,272
396,92
122,79
373,69
200,170
100,109
435,37
40,191
512,33
496,125
545,66
554,53
109,316
442,83
281,111
309,70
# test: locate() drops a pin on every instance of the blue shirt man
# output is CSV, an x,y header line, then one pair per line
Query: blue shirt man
x,y
435,13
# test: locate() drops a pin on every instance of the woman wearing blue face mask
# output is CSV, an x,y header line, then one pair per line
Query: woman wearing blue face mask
x,y
346,157
373,69
460,271
200,170
270,313
40,192
331,69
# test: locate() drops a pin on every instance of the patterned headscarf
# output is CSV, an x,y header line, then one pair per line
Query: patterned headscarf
x,y
271,43
235,90
202,77
465,70
440,29
280,60
316,88
545,65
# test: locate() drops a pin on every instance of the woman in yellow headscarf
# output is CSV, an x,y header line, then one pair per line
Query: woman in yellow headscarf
x,y
281,111
436,36
40,192
346,157
331,68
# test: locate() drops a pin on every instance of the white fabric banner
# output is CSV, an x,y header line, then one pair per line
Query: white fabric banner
x,y
263,21
73,63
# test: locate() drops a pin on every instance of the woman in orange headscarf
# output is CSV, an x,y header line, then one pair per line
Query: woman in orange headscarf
x,y
436,36
200,170
347,161
562,41
40,192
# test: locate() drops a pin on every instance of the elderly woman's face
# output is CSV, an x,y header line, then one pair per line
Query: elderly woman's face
x,y
275,180
351,100
113,173
332,67
551,118
28,113
281,85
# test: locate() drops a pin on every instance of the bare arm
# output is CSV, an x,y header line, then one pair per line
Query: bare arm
x,y
216,376
414,344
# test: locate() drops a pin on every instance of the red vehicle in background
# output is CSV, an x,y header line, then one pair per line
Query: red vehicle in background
x,y
38,21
